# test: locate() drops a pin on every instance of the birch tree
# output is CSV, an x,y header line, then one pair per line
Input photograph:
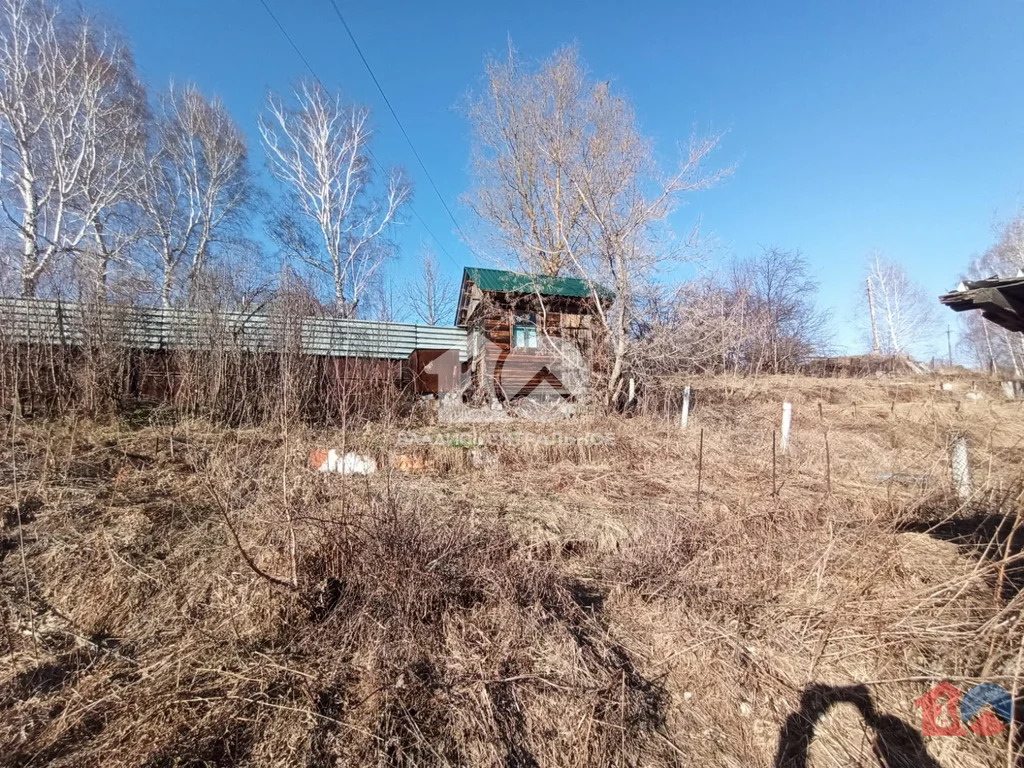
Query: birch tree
x,y
319,148
196,189
69,125
905,314
113,179
567,183
982,340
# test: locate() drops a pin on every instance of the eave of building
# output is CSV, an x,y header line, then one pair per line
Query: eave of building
x,y
518,284
1000,300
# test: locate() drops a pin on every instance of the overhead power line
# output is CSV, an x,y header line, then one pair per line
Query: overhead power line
x,y
305,61
394,114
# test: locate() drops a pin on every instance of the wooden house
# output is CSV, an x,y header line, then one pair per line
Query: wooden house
x,y
529,333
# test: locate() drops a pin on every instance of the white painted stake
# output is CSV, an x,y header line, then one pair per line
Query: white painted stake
x,y
632,390
787,418
684,415
961,468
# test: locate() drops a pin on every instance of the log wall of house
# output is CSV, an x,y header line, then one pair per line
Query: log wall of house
x,y
508,371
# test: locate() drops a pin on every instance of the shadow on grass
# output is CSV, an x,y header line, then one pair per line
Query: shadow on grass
x,y
991,536
897,744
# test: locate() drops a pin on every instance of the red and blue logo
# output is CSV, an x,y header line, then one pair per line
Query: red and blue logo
x,y
986,710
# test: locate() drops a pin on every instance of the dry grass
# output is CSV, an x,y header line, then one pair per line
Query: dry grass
x,y
568,605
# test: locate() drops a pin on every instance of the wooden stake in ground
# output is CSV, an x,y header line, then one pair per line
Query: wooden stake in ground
x,y
684,415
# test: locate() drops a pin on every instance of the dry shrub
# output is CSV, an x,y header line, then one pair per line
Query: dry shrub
x,y
563,607
90,362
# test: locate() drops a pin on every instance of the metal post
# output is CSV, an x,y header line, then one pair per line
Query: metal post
x,y
787,418
700,466
775,485
828,466
684,415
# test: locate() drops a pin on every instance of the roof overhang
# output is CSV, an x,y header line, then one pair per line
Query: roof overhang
x,y
1000,300
461,309
509,283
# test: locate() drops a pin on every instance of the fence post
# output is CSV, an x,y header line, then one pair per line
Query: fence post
x,y
828,466
828,452
787,418
960,467
632,390
684,415
775,484
700,466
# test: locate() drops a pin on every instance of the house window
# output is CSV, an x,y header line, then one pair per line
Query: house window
x,y
524,333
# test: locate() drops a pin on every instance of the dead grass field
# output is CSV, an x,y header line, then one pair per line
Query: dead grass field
x,y
179,594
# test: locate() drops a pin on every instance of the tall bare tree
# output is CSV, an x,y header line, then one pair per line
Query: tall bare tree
x,y
529,135
114,178
197,186
566,182
383,300
319,147
906,316
431,295
781,323
70,125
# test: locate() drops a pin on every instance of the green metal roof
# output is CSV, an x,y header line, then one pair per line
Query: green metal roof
x,y
545,285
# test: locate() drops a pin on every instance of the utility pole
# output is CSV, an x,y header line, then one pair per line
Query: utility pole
x,y
874,326
949,344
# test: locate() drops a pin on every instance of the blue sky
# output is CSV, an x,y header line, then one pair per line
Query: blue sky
x,y
851,125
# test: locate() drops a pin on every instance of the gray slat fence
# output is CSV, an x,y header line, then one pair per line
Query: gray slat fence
x,y
46,321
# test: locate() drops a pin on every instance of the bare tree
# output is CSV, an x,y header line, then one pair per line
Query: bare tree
x,y
382,300
70,122
906,316
529,134
197,185
114,180
568,183
760,316
196,189
781,324
432,296
319,147
986,343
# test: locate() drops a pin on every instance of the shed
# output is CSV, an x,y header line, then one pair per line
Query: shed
x,y
527,333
